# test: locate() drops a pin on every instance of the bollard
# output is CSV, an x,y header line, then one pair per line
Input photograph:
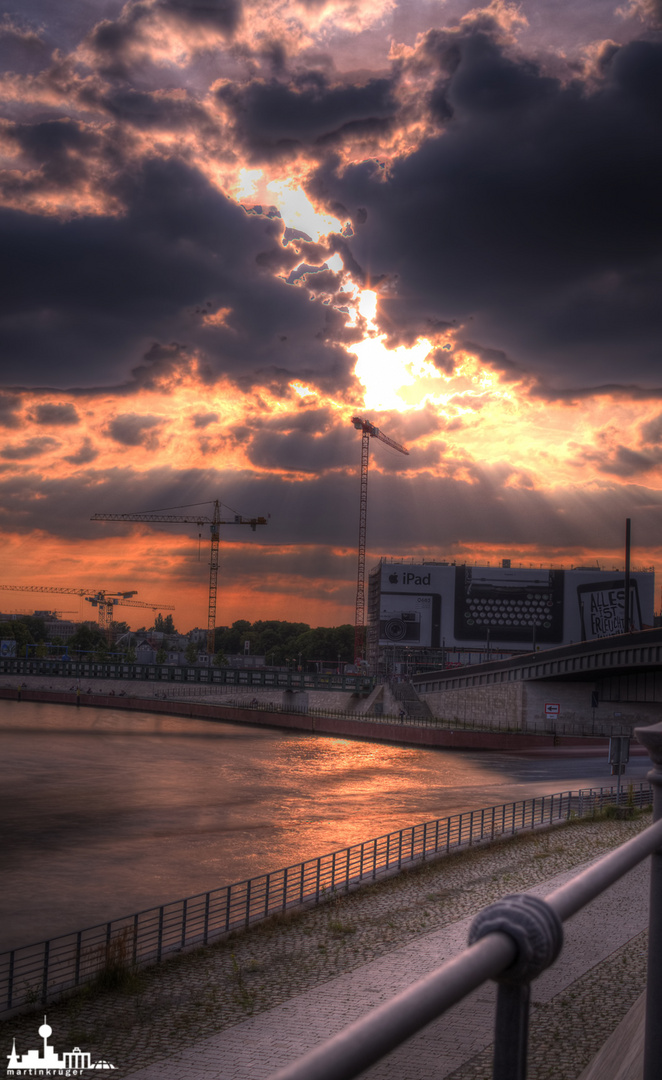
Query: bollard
x,y
651,738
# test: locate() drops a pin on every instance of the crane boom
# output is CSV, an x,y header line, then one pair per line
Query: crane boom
x,y
195,519
367,430
102,599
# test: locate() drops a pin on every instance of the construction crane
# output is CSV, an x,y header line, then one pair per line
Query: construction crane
x,y
368,431
194,519
102,599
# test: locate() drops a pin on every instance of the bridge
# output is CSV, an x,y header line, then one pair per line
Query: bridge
x,y
617,678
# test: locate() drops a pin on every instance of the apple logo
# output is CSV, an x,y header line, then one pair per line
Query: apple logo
x,y
393,578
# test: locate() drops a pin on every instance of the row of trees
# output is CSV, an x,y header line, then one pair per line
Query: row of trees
x,y
280,642
283,642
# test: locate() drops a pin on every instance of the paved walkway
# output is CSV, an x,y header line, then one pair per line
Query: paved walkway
x,y
256,1048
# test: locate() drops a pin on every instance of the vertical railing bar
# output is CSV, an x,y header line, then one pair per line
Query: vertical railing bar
x,y
284,888
79,937
400,851
184,910
247,917
136,918
317,884
160,939
448,836
425,839
10,980
205,931
361,862
266,890
347,873
44,984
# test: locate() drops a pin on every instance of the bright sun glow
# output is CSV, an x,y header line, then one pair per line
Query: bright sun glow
x,y
298,212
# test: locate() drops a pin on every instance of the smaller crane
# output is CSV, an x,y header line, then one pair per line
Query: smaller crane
x,y
195,519
106,602
102,599
368,431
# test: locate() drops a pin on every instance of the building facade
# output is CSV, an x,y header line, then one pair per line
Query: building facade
x,y
458,613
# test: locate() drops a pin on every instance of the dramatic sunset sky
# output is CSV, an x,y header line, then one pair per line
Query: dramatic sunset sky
x,y
229,227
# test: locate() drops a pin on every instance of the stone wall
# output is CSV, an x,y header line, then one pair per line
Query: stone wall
x,y
500,704
521,705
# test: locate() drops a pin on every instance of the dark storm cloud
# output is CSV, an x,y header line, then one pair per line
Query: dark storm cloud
x,y
431,515
84,455
533,218
277,119
114,41
31,448
9,418
308,443
108,286
56,414
57,153
203,420
131,429
22,48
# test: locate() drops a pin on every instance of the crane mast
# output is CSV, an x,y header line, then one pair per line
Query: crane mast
x,y
368,431
102,599
198,519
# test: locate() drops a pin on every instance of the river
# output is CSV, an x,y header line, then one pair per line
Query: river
x,y
106,812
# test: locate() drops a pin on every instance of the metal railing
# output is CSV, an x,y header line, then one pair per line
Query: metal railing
x,y
512,941
181,673
41,972
230,698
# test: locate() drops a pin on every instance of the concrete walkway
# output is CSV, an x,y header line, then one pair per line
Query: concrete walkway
x,y
257,1047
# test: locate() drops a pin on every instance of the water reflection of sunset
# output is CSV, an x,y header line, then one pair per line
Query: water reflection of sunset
x,y
150,809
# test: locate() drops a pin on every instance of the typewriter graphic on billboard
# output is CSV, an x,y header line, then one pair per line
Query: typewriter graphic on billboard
x,y
410,619
514,605
601,608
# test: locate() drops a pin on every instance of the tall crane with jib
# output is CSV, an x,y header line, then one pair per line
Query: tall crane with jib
x,y
214,522
368,431
104,600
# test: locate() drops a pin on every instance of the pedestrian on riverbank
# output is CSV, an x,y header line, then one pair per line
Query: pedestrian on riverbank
x,y
402,716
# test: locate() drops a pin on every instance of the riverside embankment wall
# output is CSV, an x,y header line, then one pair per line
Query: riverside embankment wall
x,y
522,704
343,727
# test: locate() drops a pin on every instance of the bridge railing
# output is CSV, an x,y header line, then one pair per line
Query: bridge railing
x,y
183,674
512,941
44,971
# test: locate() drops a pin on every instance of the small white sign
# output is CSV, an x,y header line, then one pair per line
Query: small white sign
x,y
552,709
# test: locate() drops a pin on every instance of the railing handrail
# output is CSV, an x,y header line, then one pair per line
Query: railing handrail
x,y
367,1040
521,936
47,969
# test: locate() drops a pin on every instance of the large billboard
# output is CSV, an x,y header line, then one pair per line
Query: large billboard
x,y
428,605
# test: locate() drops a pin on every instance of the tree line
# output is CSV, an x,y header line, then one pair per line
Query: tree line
x,y
281,643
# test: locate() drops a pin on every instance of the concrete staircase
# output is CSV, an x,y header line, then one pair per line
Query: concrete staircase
x,y
406,698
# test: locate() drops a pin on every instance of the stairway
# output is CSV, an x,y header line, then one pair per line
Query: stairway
x,y
408,699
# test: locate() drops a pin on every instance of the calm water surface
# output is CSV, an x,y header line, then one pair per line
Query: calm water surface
x,y
106,812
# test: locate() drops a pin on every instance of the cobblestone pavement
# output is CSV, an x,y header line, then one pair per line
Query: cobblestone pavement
x,y
211,1001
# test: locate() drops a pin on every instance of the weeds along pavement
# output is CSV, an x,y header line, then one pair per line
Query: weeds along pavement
x,y
137,1018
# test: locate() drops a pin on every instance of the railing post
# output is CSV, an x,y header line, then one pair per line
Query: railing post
x,y
537,932
651,737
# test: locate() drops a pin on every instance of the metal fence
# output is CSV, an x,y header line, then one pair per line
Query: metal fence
x,y
41,972
512,942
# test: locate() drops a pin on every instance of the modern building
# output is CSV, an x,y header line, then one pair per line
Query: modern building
x,y
457,613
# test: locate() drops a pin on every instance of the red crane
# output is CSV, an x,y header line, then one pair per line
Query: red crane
x,y
194,519
368,431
